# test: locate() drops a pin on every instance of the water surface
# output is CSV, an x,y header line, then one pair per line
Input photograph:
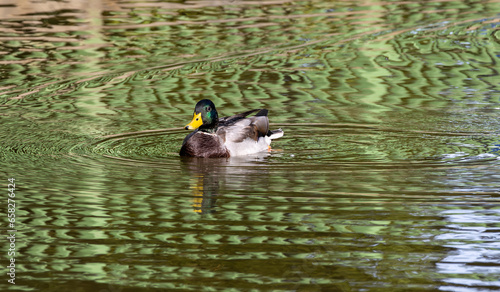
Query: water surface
x,y
386,178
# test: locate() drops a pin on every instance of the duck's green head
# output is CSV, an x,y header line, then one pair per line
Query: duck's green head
x,y
205,116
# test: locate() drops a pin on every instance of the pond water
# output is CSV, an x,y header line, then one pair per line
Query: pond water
x,y
386,178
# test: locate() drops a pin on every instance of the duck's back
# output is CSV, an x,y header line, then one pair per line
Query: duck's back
x,y
246,135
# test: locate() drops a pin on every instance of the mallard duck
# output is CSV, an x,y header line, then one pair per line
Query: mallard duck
x,y
229,136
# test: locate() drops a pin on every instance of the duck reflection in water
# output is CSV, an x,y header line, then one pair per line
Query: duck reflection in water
x,y
212,178
205,184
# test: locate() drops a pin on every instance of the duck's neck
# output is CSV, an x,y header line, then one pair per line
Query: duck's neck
x,y
212,128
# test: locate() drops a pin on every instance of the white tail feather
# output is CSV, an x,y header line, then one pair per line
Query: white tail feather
x,y
276,134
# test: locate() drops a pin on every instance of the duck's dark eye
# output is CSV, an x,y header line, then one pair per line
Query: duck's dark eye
x,y
197,119
209,108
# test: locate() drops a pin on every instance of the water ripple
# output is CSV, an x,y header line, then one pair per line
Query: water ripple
x,y
386,177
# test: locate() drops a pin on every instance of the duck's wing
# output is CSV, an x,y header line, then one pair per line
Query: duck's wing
x,y
227,121
239,127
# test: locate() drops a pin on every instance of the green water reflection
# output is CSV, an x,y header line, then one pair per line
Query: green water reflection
x,y
386,177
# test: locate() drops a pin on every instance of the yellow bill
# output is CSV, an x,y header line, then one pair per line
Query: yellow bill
x,y
195,123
